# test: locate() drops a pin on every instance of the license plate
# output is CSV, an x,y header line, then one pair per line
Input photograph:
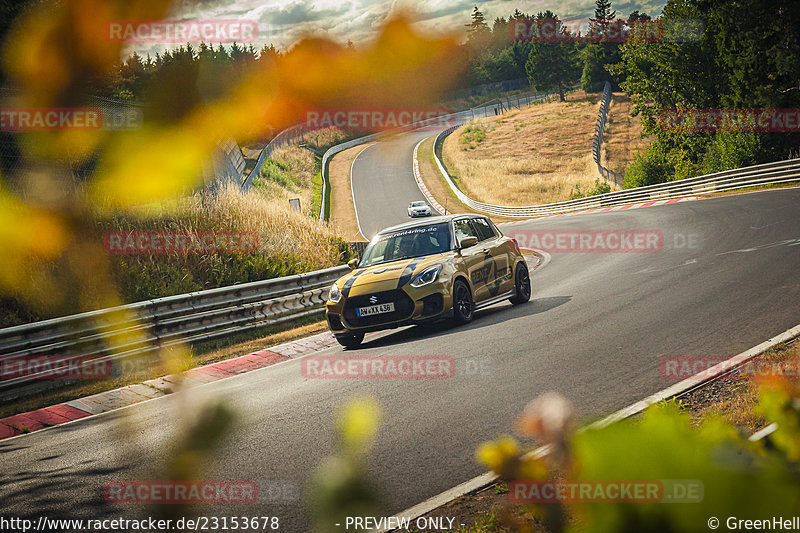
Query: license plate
x,y
375,309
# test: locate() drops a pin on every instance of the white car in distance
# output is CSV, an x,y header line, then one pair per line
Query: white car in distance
x,y
419,209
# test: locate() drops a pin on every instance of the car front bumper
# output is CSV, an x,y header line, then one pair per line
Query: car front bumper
x,y
412,306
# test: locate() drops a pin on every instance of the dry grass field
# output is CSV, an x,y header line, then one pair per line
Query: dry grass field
x,y
539,154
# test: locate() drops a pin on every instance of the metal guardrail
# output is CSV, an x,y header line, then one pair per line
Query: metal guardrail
x,y
137,328
330,152
290,134
597,143
497,106
768,173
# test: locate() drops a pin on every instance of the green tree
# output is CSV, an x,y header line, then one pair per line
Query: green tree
x,y
478,32
671,74
755,64
758,48
552,65
603,17
596,56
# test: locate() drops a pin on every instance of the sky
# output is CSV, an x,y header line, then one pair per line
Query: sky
x,y
284,22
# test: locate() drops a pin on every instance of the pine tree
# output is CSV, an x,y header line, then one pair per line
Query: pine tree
x,y
603,16
477,30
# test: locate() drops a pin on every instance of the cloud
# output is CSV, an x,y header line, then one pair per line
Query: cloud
x,y
285,21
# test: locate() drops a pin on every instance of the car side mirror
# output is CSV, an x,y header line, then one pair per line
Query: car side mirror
x,y
466,242
353,263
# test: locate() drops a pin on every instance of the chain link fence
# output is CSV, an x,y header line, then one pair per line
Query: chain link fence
x,y
226,163
600,126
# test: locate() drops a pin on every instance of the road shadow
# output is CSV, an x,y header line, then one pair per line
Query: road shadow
x,y
483,318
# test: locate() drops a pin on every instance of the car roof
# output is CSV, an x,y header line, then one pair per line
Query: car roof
x,y
426,222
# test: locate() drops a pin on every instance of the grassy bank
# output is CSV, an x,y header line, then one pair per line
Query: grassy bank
x,y
539,154
286,243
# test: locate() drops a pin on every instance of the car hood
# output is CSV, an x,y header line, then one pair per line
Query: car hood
x,y
387,276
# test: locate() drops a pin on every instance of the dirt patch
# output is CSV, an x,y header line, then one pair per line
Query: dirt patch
x,y
343,213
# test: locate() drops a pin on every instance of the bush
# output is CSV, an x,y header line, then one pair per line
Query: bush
x,y
710,468
731,149
725,151
649,168
600,187
472,135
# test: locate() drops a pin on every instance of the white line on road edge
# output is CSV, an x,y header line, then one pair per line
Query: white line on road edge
x,y
352,194
421,184
626,412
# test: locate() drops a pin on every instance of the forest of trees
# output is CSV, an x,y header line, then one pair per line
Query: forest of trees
x,y
714,54
745,55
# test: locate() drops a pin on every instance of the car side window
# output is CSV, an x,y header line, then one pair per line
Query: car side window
x,y
464,229
483,229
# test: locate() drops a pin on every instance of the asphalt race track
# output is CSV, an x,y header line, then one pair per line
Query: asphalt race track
x,y
596,330
383,183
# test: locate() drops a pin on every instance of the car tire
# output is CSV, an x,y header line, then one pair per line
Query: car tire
x,y
463,306
350,341
522,285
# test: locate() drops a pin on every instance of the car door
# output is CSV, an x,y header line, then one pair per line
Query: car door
x,y
495,257
472,257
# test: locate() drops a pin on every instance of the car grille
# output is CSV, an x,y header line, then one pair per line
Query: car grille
x,y
403,307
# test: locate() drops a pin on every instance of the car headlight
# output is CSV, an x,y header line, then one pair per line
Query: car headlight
x,y
427,276
334,295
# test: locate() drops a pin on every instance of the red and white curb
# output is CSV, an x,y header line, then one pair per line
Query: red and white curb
x,y
421,184
606,209
56,415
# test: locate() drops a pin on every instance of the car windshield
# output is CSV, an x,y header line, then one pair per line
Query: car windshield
x,y
417,204
410,242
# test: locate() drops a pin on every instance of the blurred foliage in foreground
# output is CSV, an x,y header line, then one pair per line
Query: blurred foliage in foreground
x,y
341,487
288,243
747,480
54,263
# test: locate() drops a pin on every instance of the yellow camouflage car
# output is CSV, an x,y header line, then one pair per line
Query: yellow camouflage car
x,y
446,266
